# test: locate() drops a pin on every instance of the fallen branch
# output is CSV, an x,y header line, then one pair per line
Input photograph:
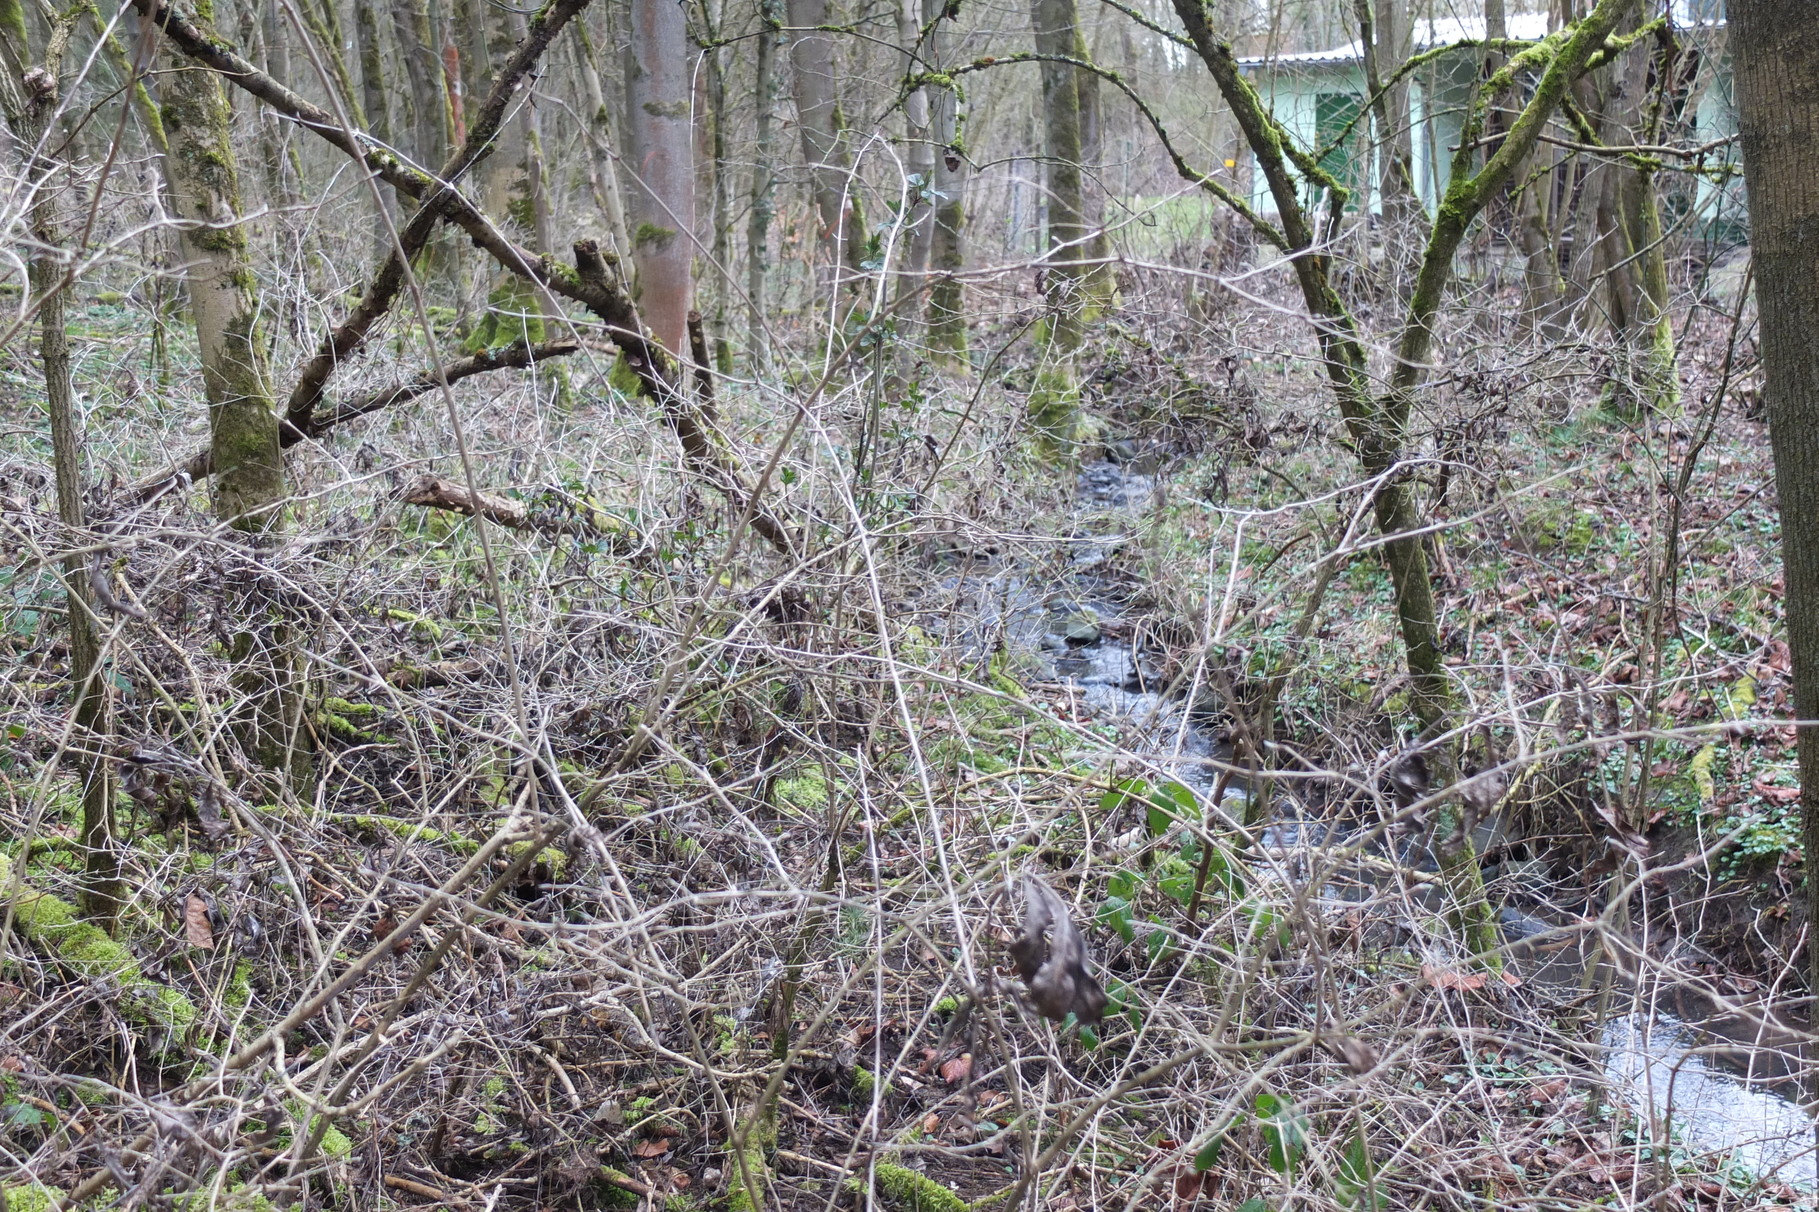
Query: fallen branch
x,y
434,492
516,356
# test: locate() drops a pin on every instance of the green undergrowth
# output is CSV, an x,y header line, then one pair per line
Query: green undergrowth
x,y
905,1190
87,953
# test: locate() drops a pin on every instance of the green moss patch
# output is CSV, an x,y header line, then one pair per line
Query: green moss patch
x,y
86,952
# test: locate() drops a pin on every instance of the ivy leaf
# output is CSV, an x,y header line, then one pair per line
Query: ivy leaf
x,y
1121,792
1170,802
1284,1131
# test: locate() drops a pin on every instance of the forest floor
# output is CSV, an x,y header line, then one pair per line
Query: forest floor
x,y
766,959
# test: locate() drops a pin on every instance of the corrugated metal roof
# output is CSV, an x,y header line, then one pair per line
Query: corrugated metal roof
x,y
1528,27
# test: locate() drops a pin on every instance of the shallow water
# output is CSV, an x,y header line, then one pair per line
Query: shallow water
x,y
1654,1064
1712,1113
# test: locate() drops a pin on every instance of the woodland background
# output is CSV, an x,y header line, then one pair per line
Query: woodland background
x,y
567,567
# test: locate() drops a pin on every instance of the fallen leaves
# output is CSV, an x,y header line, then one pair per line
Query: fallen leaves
x,y
1447,978
197,929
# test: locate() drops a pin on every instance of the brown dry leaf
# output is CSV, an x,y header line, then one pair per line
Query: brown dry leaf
x,y
196,926
1051,957
650,1148
1446,978
1187,1185
1774,794
1510,978
955,1071
12,1064
680,1181
931,1123
1357,1054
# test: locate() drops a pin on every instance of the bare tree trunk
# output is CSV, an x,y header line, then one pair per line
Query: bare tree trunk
x,y
919,157
1627,258
946,335
1388,40
824,143
1097,280
658,95
416,47
603,177
763,191
250,490
1055,400
719,186
378,109
281,177
324,23
28,117
1649,338
1776,44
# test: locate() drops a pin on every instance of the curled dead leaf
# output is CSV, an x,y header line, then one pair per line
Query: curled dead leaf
x,y
197,929
1447,978
1051,957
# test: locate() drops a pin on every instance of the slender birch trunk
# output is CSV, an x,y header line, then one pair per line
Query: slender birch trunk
x,y
824,143
763,191
29,118
603,175
946,335
1055,401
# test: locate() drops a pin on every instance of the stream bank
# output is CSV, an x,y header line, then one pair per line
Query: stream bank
x,y
1706,1072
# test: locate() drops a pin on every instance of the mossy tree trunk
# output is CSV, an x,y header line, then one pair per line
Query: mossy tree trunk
x,y
1647,339
249,486
1379,424
946,333
659,96
1055,399
428,105
378,111
1776,44
917,236
513,185
28,114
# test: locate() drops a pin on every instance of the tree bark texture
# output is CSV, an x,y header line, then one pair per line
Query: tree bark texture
x,y
1055,401
659,92
824,142
603,174
29,115
1776,44
416,47
250,488
763,189
378,109
946,333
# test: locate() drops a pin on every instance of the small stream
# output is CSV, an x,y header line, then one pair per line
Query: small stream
x,y
1687,1077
